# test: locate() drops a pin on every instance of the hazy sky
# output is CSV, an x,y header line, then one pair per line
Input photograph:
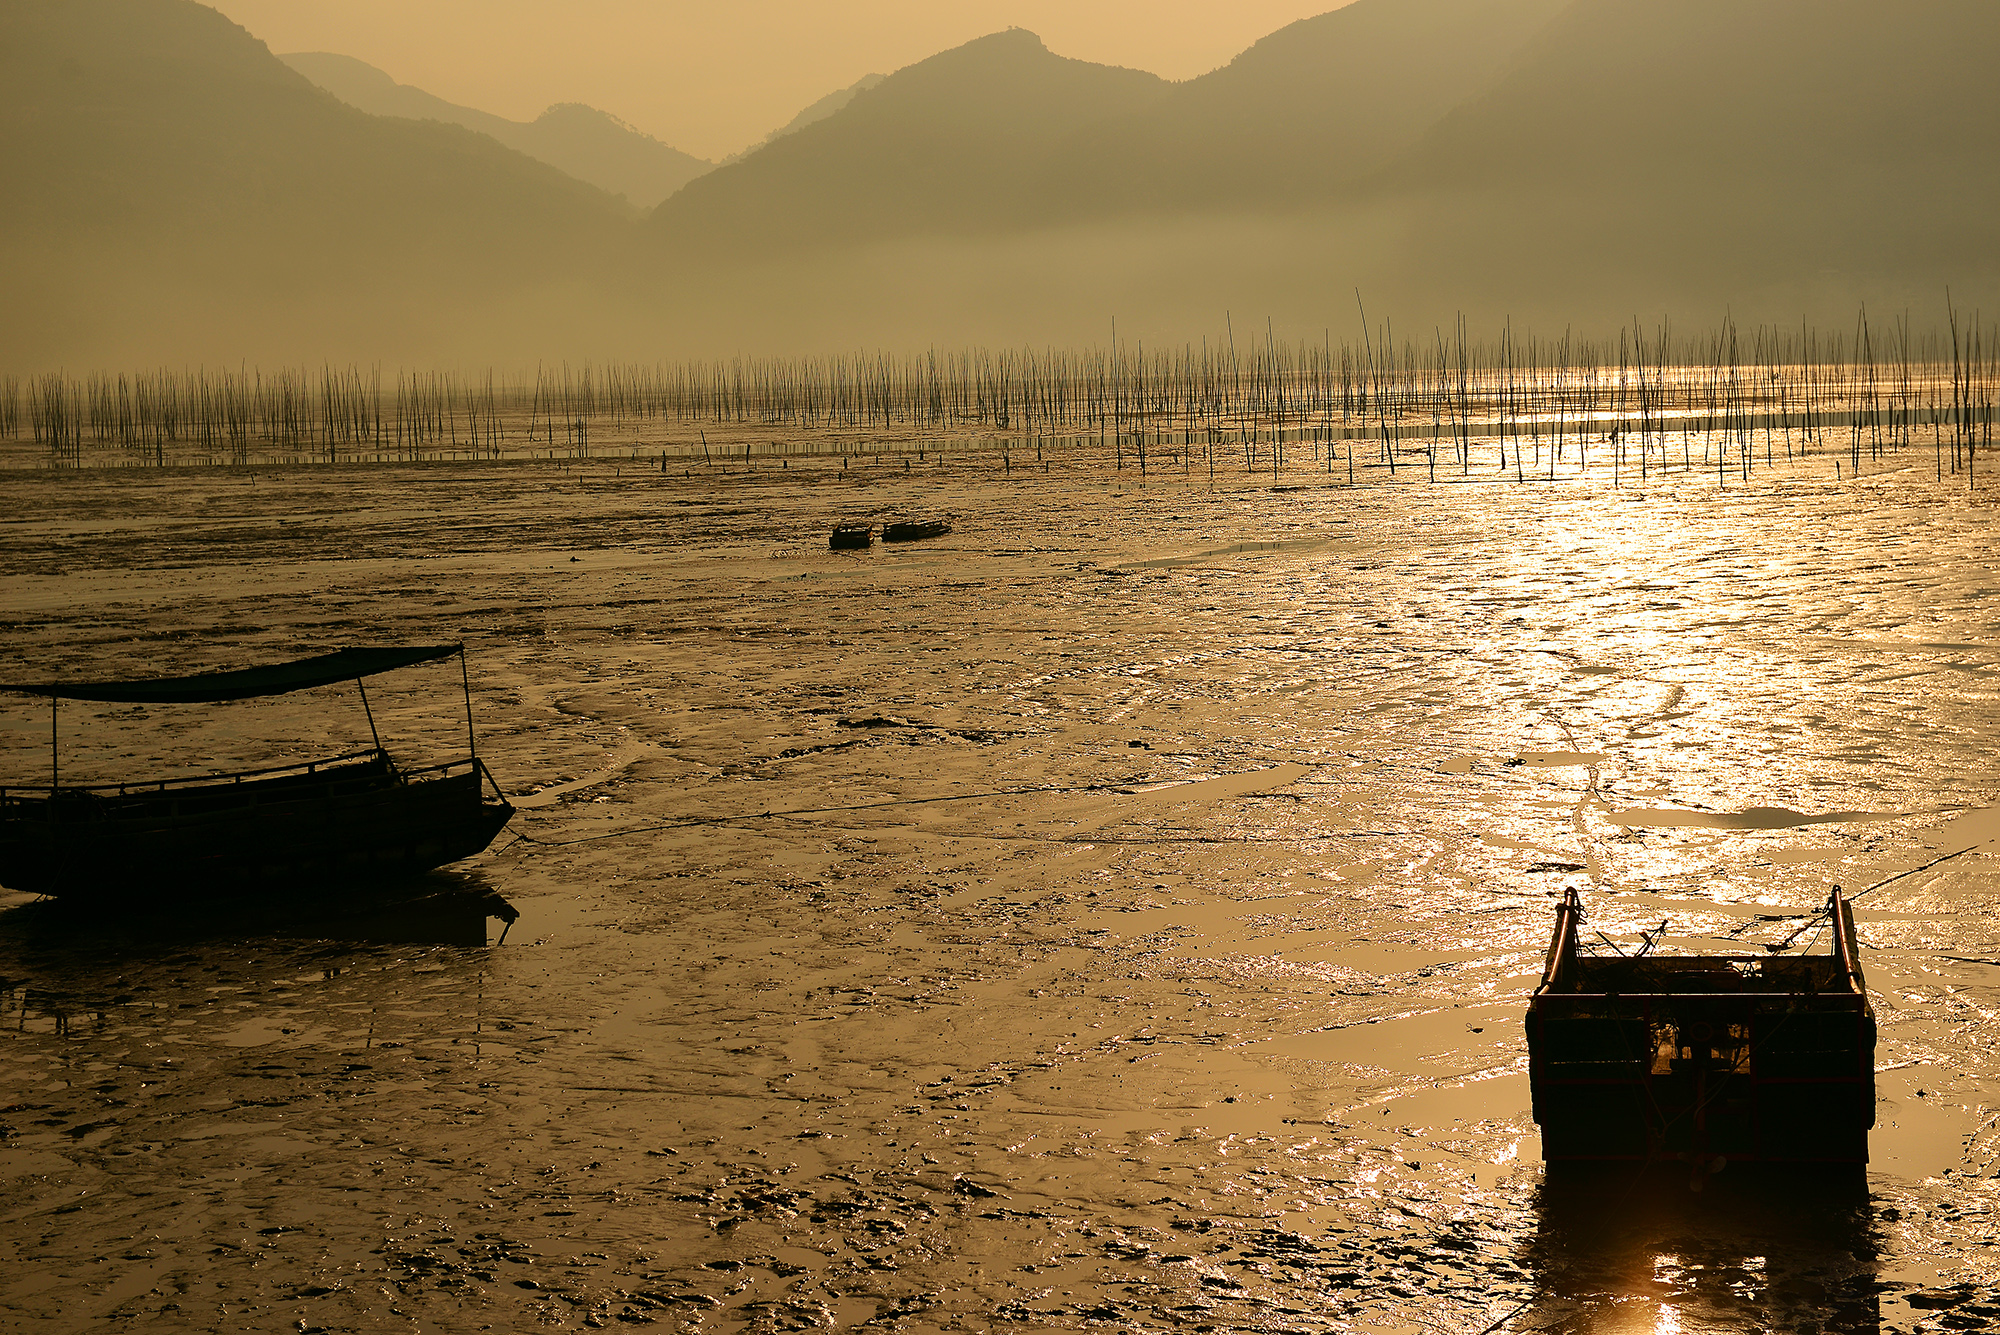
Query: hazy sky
x,y
711,76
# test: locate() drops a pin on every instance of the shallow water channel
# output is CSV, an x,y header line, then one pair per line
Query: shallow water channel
x,y
1116,914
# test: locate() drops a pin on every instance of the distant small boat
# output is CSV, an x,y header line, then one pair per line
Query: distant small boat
x,y
271,832
849,536
912,530
1703,1059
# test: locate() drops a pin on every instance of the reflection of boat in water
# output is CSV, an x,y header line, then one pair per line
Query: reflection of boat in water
x,y
1702,1059
1619,1250
444,908
446,916
352,818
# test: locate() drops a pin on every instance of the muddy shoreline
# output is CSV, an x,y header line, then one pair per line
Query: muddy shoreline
x,y
1195,1006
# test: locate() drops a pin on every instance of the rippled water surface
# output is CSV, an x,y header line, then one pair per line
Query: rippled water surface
x,y
1196,1001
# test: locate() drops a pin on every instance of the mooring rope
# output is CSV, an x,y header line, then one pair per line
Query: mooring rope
x,y
1806,920
1970,848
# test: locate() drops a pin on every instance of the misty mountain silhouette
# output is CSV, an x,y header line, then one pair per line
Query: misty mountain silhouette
x,y
1829,144
177,186
1730,92
1508,143
167,166
813,113
1305,114
1000,133
165,107
951,143
589,144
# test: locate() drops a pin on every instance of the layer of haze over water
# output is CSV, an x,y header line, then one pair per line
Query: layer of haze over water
x,y
1563,163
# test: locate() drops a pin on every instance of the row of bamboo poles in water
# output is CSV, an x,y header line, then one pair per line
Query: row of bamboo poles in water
x,y
1862,392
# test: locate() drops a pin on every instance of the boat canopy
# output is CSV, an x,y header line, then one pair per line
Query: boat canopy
x,y
241,683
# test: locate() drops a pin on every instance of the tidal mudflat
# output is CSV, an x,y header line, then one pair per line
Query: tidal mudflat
x,y
1117,914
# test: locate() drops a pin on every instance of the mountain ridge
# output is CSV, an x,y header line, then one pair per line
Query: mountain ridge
x,y
981,111
591,145
1303,113
190,188
186,193
811,114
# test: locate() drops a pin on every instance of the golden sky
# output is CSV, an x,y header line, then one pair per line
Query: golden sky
x,y
712,76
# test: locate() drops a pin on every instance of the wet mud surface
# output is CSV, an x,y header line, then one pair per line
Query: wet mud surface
x,y
1116,914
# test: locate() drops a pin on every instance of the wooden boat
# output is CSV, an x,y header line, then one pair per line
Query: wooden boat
x,y
1707,1059
849,536
357,817
912,530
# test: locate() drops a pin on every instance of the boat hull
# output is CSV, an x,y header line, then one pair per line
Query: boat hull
x,y
1705,1060
1771,1079
915,530
342,825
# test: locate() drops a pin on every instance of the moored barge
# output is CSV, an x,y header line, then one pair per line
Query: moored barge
x,y
1704,1059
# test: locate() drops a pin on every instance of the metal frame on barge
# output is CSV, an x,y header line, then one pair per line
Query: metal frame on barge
x,y
1702,1059
345,820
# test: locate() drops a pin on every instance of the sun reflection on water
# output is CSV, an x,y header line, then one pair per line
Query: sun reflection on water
x,y
1625,1253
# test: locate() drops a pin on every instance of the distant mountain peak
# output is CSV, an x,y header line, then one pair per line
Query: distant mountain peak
x,y
1011,35
589,144
1007,48
902,156
583,113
